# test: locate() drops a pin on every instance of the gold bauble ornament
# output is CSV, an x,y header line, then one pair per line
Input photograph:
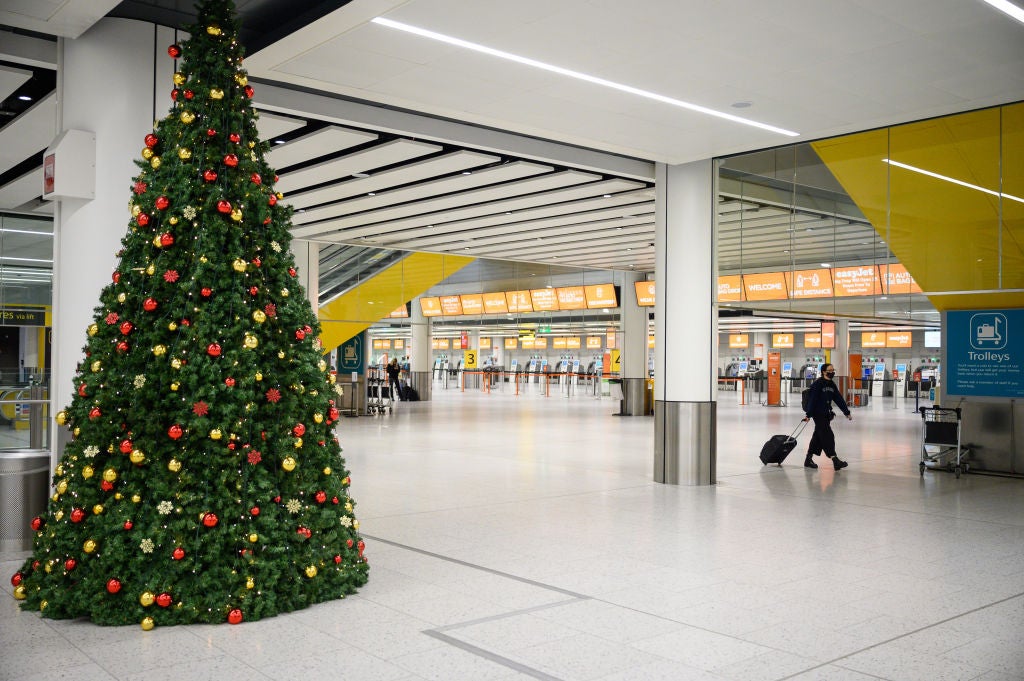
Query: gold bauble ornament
x,y
236,214
298,443
184,154
62,487
355,524
147,154
179,78
251,341
94,329
87,472
174,465
136,498
348,506
327,470
187,117
284,293
154,162
322,365
76,431
97,509
156,241
59,470
59,515
280,354
42,604
172,326
175,363
118,496
19,592
318,417
202,259
110,475
173,220
121,297
216,93
213,29
147,623
151,269
136,456
249,582
259,316
62,418
288,464
48,568
175,386
146,599
239,265
253,538
136,210
89,546
215,434
159,350
259,376
311,571
96,366
241,79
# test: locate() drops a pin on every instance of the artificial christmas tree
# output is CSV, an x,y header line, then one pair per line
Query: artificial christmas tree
x,y
203,482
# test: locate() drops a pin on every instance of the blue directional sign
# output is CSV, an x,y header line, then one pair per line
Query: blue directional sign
x,y
985,353
350,355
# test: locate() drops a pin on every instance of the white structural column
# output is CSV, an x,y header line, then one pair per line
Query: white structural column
x,y
114,81
840,356
634,349
686,323
307,262
420,365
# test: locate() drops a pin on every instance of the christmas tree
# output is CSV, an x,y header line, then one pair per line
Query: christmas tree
x,y
204,482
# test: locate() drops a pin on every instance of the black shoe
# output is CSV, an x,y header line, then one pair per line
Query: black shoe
x,y
809,462
839,463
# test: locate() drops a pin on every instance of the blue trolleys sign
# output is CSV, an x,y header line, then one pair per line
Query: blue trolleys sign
x,y
985,353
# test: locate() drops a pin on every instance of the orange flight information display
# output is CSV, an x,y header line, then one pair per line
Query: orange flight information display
x,y
765,286
494,303
558,343
400,312
519,301
782,340
897,280
451,305
739,340
828,335
600,296
472,303
810,283
730,288
644,293
511,343
571,298
898,339
540,343
856,281
812,340
872,339
594,342
544,299
431,307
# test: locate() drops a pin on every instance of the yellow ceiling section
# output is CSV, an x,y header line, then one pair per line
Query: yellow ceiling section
x,y
950,236
375,298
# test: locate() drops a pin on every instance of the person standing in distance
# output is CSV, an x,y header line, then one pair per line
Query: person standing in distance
x,y
823,393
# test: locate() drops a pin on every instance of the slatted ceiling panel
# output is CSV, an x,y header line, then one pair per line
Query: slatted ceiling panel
x,y
407,174
579,232
625,238
28,134
631,260
18,192
445,193
379,156
381,230
319,143
272,125
11,79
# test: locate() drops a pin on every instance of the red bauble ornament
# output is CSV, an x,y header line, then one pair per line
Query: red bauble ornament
x,y
223,206
166,239
333,413
304,531
308,328
164,599
126,328
349,543
106,486
231,446
162,202
128,525
210,519
320,497
300,334
151,140
230,160
210,176
175,432
277,499
256,261
206,292
36,525
213,350
174,51
122,347
299,430
77,515
272,200
113,585
253,290
70,564
210,132
255,510
149,304
235,137
81,390
334,500
266,220
256,179
178,553
95,413
142,219
291,271
16,578
235,616
229,382
249,92
189,94
337,560
174,94
361,546
126,446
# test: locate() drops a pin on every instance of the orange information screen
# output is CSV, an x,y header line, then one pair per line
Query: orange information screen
x,y
572,342
898,339
571,298
765,286
511,343
494,303
594,342
644,293
828,335
898,280
472,303
399,343
485,343
872,339
856,281
730,288
739,340
558,343
544,299
650,341
519,301
600,295
431,307
812,340
443,343
810,283
527,343
540,343
402,311
782,340
377,344
451,305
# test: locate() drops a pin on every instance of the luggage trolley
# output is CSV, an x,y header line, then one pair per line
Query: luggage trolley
x,y
941,447
378,394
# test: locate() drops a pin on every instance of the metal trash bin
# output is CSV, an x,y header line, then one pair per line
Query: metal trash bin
x,y
24,488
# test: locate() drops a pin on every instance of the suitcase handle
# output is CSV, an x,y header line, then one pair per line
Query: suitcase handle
x,y
799,429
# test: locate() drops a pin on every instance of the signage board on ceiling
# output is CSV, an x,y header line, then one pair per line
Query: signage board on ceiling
x,y
451,305
400,312
984,353
600,296
511,343
472,303
828,335
765,286
571,298
782,340
872,339
810,283
812,340
572,342
644,293
544,299
494,303
594,342
540,343
431,307
739,340
897,280
856,281
519,301
730,288
898,339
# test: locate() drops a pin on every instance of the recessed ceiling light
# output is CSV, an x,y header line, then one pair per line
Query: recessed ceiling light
x,y
577,75
945,178
825,264
371,193
25,98
466,172
360,175
606,196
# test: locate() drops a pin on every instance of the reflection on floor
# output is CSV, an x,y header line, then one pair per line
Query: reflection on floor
x,y
522,537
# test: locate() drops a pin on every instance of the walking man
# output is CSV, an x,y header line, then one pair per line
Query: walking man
x,y
824,392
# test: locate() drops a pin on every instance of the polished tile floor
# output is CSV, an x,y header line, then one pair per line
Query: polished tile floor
x,y
522,538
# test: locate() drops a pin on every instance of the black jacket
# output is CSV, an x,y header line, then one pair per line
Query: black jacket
x,y
824,392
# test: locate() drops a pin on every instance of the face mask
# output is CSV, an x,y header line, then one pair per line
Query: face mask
x,y
830,374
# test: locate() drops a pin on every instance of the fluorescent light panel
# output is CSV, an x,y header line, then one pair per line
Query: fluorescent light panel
x,y
944,178
1008,8
577,75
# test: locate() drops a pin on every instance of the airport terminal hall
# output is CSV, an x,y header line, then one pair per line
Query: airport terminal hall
x,y
467,340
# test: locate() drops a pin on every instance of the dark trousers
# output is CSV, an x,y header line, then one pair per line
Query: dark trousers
x,y
395,389
823,439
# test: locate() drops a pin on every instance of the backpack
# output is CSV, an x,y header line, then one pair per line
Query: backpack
x,y
805,399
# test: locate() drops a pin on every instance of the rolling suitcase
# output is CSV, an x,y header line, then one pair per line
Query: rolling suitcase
x,y
778,447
